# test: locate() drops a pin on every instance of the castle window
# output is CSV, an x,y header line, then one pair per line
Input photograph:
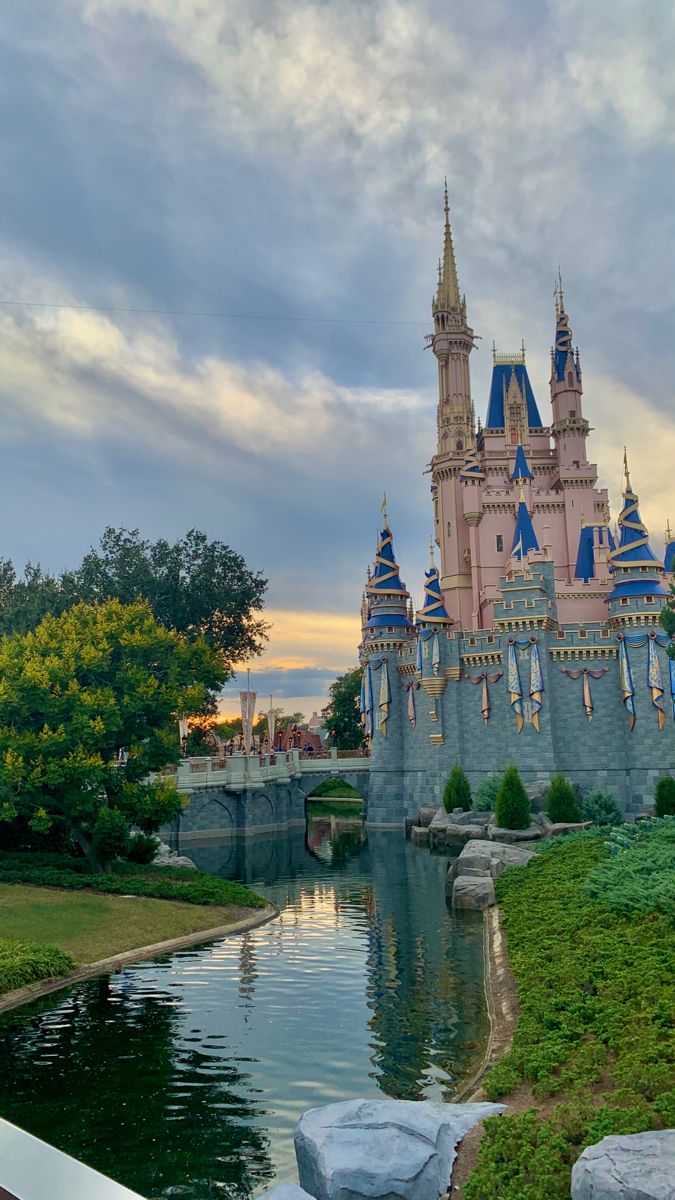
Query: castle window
x,y
472,641
491,640
500,541
460,445
449,529
604,633
571,412
583,633
570,379
561,634
649,599
624,601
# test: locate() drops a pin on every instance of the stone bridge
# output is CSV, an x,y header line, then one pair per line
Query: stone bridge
x,y
235,796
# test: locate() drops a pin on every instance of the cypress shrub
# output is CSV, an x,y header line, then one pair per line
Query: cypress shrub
x,y
601,808
664,797
561,802
486,794
457,792
512,809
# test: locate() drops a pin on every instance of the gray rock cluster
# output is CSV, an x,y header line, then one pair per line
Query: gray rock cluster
x,y
638,1166
379,1149
166,857
470,878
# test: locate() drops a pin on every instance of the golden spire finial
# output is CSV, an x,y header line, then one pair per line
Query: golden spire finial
x,y
522,490
625,468
432,564
446,205
668,532
383,510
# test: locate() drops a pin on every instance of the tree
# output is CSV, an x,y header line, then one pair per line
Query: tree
x,y
664,797
197,587
342,711
88,708
457,792
561,802
512,808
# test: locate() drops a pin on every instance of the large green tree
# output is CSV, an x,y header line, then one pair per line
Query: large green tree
x,y
88,707
197,587
342,711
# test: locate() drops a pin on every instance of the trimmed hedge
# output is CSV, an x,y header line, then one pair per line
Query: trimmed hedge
x,y
22,963
512,806
596,994
561,802
457,791
161,883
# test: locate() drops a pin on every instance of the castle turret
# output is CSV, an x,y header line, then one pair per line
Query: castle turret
x,y
638,590
569,428
524,537
433,611
387,598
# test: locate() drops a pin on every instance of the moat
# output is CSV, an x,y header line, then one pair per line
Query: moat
x,y
185,1076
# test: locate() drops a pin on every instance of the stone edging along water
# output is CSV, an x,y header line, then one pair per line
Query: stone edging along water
x,y
105,966
500,1001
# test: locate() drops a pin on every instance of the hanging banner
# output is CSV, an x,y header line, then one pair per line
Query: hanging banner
x,y
484,679
435,654
586,674
536,685
410,689
626,683
419,665
385,699
671,670
514,687
368,702
247,714
655,684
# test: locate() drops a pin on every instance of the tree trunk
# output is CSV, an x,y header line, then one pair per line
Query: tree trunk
x,y
89,852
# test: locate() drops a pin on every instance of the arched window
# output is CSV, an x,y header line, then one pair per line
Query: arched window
x,y
570,379
460,445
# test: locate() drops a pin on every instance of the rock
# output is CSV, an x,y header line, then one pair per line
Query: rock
x,y
458,817
471,892
419,835
545,823
555,828
513,835
426,816
382,1149
637,1166
166,857
489,859
537,791
285,1191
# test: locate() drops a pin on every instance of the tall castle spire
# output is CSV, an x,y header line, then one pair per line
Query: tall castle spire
x,y
447,297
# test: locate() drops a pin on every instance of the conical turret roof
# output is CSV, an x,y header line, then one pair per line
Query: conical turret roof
x,y
433,610
385,579
524,537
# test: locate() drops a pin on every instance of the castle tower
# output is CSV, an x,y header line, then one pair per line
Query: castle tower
x,y
638,594
433,611
452,342
387,623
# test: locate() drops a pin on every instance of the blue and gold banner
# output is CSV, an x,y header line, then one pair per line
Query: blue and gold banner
x,y
626,683
536,685
514,686
655,683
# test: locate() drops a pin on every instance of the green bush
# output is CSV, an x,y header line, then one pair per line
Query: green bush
x,y
457,792
162,883
664,797
596,993
485,798
601,808
110,835
22,963
512,806
639,877
561,802
142,848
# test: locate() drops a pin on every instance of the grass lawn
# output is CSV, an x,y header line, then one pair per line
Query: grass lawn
x,y
90,926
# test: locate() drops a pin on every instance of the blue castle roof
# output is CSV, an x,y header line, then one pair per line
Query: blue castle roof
x,y
472,468
524,537
633,549
385,580
521,469
433,610
380,619
501,378
585,568
669,559
563,346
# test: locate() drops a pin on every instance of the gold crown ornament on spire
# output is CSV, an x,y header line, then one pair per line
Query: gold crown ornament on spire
x,y
447,297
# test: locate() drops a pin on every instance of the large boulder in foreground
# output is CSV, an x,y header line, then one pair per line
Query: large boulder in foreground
x,y
473,892
285,1191
637,1166
382,1149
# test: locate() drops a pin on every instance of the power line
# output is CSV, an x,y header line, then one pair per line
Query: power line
x,y
184,312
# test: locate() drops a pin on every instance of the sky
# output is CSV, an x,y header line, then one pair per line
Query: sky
x,y
250,198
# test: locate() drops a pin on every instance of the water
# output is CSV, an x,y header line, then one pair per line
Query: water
x,y
185,1076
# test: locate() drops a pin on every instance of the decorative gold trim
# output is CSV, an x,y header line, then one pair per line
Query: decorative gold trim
x,y
567,652
434,685
437,739
486,659
453,672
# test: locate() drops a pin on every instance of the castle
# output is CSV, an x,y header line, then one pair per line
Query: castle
x,y
539,640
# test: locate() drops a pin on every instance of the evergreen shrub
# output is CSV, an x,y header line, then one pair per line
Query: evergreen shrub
x,y
457,793
485,798
664,797
512,807
142,848
561,802
601,808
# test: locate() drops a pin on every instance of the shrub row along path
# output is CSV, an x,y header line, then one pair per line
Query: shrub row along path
x,y
593,1052
72,932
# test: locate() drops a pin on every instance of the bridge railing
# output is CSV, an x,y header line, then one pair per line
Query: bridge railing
x,y
237,771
